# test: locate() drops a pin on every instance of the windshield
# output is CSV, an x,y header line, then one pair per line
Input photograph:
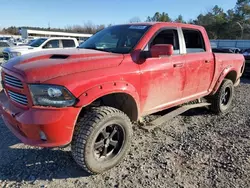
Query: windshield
x,y
116,39
37,42
29,42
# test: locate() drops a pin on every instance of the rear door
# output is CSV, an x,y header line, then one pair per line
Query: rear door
x,y
68,43
199,63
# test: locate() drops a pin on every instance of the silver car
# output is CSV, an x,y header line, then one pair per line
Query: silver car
x,y
4,44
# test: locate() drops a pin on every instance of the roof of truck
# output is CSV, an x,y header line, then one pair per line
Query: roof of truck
x,y
175,24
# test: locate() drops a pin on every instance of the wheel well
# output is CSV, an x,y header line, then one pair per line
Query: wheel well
x,y
232,76
121,101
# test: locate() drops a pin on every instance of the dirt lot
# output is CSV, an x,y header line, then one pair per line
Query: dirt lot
x,y
197,149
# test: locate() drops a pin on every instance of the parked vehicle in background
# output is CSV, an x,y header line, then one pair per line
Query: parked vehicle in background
x,y
30,41
26,42
3,45
88,96
246,54
40,44
227,50
221,43
5,38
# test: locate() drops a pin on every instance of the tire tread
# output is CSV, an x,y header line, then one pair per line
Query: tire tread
x,y
85,126
215,99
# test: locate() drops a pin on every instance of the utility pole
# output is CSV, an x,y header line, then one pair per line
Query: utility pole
x,y
242,29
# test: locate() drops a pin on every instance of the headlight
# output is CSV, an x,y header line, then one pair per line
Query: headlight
x,y
51,95
14,54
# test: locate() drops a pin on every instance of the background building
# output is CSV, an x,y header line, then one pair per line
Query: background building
x,y
32,33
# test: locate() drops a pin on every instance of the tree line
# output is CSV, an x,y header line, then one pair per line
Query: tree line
x,y
88,28
220,24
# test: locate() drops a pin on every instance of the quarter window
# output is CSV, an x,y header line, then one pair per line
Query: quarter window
x,y
194,41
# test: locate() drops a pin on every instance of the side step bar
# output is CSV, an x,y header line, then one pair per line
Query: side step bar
x,y
163,119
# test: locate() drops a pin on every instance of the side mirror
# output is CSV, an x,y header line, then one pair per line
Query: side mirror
x,y
162,50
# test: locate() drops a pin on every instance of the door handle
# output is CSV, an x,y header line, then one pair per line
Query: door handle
x,y
178,65
207,61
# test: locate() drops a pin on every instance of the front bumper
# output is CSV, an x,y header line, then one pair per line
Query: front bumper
x,y
56,123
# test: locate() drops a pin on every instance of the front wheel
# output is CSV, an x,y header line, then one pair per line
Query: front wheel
x,y
221,101
101,139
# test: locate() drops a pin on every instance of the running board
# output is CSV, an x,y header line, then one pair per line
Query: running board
x,y
163,119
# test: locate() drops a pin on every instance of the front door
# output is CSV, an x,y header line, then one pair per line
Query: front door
x,y
162,79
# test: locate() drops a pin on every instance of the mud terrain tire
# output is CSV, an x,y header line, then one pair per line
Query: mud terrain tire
x,y
101,139
221,101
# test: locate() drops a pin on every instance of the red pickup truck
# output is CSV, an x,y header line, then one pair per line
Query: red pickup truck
x,y
88,96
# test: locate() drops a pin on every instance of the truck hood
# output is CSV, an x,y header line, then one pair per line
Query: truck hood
x,y
41,66
19,49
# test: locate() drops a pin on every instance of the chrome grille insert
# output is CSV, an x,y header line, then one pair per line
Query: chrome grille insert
x,y
12,81
17,97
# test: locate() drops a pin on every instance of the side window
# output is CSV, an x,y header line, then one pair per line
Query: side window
x,y
52,44
168,36
3,44
68,43
194,41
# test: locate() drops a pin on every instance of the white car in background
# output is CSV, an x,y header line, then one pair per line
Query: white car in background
x,y
39,45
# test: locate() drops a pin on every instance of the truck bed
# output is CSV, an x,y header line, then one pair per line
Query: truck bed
x,y
227,60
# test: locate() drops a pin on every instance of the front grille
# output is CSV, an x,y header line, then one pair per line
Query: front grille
x,y
5,56
12,81
17,97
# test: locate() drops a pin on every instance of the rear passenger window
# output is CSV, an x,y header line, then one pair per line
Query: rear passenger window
x,y
68,43
194,41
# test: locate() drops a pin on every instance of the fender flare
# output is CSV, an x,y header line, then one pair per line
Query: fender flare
x,y
222,77
90,95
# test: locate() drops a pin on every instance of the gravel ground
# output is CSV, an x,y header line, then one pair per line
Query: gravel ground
x,y
196,149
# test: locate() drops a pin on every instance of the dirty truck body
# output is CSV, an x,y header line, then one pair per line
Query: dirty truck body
x,y
50,98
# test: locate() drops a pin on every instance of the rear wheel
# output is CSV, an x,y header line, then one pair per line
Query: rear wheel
x,y
221,101
101,139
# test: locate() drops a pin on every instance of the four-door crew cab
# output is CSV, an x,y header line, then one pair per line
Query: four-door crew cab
x,y
89,96
40,44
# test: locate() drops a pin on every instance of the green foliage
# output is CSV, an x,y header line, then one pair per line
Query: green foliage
x,y
232,24
159,17
180,19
